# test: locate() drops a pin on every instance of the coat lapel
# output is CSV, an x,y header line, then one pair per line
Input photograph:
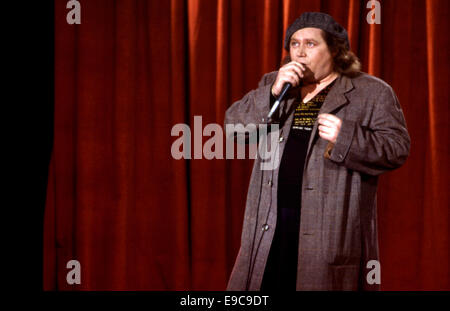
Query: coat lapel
x,y
286,108
334,100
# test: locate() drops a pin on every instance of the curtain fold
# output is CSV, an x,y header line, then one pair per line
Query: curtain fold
x,y
137,219
436,239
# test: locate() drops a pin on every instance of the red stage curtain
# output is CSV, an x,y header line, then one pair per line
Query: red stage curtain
x,y
136,219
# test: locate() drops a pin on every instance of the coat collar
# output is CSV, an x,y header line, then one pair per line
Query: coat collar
x,y
334,100
336,97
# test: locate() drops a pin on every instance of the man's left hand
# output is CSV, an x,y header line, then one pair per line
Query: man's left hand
x,y
329,126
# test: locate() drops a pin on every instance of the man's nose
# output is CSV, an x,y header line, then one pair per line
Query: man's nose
x,y
301,50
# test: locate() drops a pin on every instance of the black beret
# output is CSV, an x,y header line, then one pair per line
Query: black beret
x,y
316,20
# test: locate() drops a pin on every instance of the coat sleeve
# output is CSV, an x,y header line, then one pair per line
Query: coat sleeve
x,y
252,109
381,146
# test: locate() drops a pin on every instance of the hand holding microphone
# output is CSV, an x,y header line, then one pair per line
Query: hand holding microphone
x,y
289,75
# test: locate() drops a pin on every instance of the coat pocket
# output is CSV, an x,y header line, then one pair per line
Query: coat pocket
x,y
340,228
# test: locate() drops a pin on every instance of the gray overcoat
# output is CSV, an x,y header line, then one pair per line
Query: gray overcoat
x,y
338,223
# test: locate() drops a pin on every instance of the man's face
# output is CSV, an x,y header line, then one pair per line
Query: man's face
x,y
307,46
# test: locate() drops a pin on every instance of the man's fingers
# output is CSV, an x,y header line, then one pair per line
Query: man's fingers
x,y
325,129
289,73
329,117
326,122
298,68
325,135
329,126
283,78
290,77
298,65
295,78
291,69
295,67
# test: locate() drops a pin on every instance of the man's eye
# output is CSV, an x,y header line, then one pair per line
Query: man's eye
x,y
310,44
295,44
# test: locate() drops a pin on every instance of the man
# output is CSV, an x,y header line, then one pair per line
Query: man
x,y
310,223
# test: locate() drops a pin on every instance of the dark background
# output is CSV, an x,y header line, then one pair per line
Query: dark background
x,y
29,92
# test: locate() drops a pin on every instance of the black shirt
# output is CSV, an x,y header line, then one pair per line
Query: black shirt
x,y
281,267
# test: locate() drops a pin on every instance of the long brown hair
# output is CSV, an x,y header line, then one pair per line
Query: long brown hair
x,y
345,61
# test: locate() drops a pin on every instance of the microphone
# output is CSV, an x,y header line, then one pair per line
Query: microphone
x,y
286,87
